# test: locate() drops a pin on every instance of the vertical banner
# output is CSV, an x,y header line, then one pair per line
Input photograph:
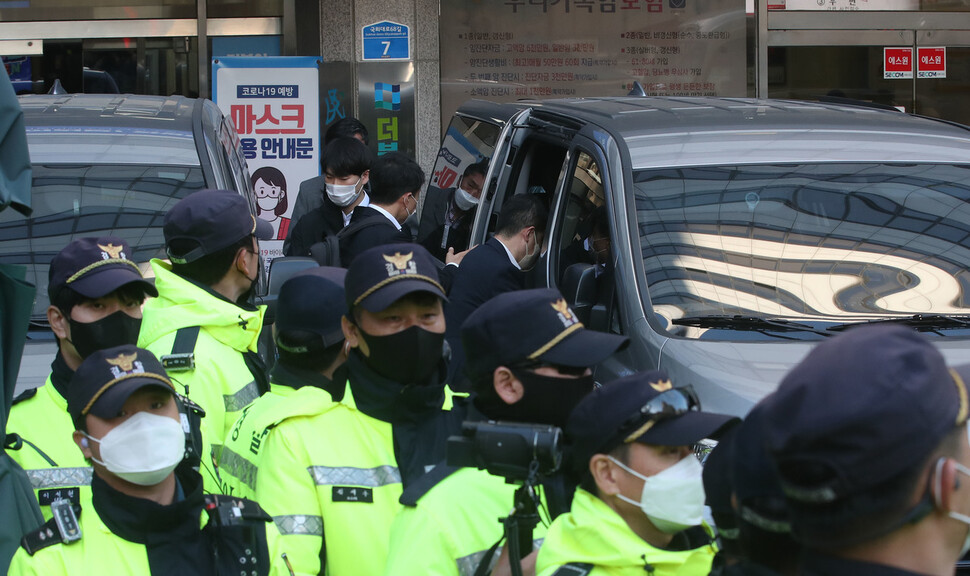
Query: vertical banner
x,y
512,49
274,103
386,104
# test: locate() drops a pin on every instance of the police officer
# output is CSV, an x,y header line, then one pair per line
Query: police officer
x,y
869,437
203,326
529,360
149,515
96,292
748,505
276,446
638,508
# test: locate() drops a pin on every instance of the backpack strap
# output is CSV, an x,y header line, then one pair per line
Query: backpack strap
x,y
327,251
182,358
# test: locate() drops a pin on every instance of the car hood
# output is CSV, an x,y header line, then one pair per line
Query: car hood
x,y
731,377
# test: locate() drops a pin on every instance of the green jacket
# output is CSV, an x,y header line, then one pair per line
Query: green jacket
x,y
54,464
592,533
451,527
221,382
325,471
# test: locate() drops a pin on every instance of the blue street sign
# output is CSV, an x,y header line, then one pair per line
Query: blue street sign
x,y
386,41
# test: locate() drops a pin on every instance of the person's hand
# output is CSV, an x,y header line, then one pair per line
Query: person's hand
x,y
502,567
452,258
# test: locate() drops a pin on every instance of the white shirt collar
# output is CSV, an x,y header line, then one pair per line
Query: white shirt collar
x,y
386,214
509,252
364,202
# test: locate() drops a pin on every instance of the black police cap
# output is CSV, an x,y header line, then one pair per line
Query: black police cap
x,y
211,220
382,275
95,267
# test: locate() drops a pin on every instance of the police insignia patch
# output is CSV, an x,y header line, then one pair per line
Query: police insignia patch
x,y
112,251
400,264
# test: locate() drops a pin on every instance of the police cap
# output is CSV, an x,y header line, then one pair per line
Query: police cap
x,y
531,325
105,380
861,409
313,301
642,407
95,267
213,220
380,276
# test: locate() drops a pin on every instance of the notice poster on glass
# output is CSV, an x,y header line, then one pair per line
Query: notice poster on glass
x,y
274,104
513,49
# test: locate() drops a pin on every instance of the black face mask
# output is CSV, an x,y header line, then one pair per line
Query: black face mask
x,y
545,399
113,330
407,357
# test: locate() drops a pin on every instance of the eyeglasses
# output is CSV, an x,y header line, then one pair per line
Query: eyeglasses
x,y
668,404
271,191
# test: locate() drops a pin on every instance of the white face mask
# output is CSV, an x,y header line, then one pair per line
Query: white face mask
x,y
143,449
673,499
412,218
464,200
267,204
529,260
344,194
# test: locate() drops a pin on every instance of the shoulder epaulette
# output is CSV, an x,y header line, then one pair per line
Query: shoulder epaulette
x,y
47,535
233,511
25,395
574,569
425,483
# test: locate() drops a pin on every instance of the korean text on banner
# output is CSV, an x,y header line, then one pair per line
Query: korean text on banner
x,y
275,105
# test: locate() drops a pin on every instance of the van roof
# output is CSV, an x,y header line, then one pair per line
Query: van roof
x,y
109,110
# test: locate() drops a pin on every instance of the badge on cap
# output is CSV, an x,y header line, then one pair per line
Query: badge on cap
x,y
566,316
662,386
400,264
125,364
112,252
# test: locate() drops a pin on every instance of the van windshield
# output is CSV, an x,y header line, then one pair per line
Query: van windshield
x,y
822,245
77,200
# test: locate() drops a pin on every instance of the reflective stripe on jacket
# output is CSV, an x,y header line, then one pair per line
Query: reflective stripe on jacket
x,y
221,381
320,468
44,422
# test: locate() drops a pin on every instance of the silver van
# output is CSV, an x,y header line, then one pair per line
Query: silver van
x,y
113,165
739,233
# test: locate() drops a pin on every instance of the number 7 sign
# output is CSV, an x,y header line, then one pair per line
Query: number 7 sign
x,y
386,41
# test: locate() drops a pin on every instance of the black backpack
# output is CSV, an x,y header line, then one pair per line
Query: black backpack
x,y
327,252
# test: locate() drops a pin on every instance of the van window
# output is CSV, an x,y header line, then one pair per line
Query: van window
x,y
467,147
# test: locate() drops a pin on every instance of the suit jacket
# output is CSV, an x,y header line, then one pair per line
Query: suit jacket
x,y
311,195
352,245
433,224
324,220
484,273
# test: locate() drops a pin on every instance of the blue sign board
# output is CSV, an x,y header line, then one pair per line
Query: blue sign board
x,y
386,41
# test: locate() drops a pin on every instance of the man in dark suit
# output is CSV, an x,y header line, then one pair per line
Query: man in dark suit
x,y
447,216
312,191
396,182
497,266
346,167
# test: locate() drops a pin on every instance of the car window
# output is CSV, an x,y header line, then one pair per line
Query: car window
x,y
538,166
468,141
77,200
821,244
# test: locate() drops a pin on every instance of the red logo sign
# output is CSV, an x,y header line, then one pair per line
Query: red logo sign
x,y
931,63
897,62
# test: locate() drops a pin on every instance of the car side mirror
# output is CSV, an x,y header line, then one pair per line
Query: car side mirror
x,y
578,286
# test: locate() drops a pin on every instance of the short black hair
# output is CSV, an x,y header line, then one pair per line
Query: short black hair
x,y
520,212
480,167
346,128
67,298
211,268
393,175
316,356
346,156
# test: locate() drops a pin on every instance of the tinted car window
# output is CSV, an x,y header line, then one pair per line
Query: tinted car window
x,y
818,243
76,200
